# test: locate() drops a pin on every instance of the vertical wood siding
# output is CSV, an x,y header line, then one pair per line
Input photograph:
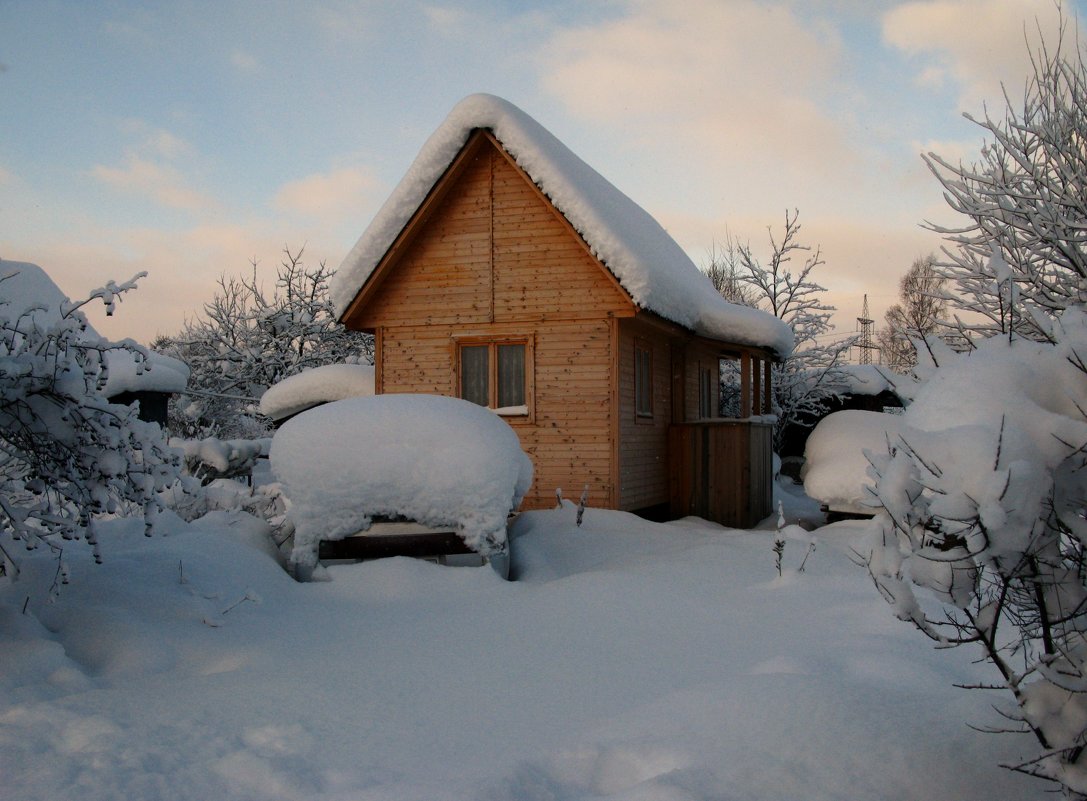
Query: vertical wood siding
x,y
720,471
643,442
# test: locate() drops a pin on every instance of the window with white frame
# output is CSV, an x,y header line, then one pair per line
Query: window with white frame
x,y
495,373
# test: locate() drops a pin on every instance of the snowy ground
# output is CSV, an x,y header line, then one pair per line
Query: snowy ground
x,y
629,661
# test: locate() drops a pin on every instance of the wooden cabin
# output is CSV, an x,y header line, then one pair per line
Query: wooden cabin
x,y
506,271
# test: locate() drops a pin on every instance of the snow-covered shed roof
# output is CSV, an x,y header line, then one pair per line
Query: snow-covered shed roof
x,y
24,285
652,268
869,379
317,385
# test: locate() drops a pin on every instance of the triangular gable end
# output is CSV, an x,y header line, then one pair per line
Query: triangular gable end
x,y
477,143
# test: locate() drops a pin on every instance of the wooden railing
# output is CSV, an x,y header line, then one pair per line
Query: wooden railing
x,y
721,470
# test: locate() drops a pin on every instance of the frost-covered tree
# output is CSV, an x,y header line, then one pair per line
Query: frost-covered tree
x,y
67,455
808,380
248,339
920,310
983,497
724,269
1020,259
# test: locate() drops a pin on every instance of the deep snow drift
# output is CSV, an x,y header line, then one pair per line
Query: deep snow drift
x,y
631,660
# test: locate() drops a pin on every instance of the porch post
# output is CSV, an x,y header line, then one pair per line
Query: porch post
x,y
745,384
767,389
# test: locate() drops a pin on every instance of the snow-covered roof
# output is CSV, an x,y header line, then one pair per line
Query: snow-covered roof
x,y
159,373
331,382
653,269
23,285
28,285
869,379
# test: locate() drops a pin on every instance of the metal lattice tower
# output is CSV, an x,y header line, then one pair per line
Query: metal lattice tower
x,y
865,342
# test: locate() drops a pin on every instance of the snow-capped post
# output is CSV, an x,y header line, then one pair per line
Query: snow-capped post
x,y
558,497
70,456
779,539
581,505
982,494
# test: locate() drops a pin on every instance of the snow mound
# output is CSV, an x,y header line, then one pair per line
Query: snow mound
x,y
315,386
155,373
435,460
652,268
835,470
25,286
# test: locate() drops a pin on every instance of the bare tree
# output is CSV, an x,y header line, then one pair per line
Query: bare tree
x,y
918,314
808,380
726,272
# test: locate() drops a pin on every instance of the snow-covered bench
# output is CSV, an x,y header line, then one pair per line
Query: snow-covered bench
x,y
442,463
835,471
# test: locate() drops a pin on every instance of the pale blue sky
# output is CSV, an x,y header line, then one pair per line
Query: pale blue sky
x,y
187,138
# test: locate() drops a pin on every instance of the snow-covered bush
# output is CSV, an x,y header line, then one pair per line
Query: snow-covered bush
x,y
1021,258
67,455
249,339
435,460
983,496
210,458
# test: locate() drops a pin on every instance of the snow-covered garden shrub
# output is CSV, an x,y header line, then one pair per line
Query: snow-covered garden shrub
x,y
248,339
210,458
67,455
983,494
435,460
982,498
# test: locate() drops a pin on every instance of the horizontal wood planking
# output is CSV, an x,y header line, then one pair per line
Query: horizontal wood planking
x,y
568,439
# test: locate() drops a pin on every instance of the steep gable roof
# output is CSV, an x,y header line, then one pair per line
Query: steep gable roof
x,y
649,265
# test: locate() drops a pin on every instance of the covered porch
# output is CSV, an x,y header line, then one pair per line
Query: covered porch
x,y
720,468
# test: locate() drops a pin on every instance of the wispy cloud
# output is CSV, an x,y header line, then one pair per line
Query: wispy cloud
x,y
162,183
246,62
338,194
973,45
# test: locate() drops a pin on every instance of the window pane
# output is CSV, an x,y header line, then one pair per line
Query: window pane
x,y
474,374
511,375
643,382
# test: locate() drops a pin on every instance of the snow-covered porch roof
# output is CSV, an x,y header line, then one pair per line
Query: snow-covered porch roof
x,y
648,264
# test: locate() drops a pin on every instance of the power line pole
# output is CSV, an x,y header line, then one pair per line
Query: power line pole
x,y
865,342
